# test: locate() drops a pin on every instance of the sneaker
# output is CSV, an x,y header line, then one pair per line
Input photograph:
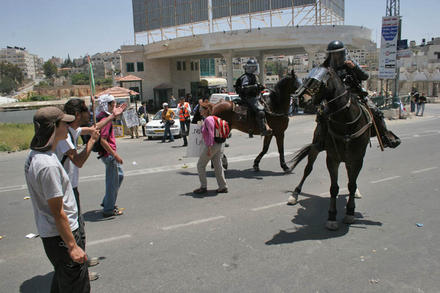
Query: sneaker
x,y
93,261
93,276
200,190
222,190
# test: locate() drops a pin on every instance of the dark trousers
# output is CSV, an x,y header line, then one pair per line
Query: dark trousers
x,y
184,130
143,130
81,223
69,276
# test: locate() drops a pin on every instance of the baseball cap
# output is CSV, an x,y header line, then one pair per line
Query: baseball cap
x,y
45,123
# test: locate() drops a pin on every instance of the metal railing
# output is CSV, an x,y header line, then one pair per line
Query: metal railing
x,y
385,103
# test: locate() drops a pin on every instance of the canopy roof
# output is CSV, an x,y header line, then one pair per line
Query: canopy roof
x,y
214,82
118,92
129,78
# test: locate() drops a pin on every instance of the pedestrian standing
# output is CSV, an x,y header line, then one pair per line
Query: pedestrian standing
x,y
111,159
54,204
421,104
184,110
168,120
143,114
210,150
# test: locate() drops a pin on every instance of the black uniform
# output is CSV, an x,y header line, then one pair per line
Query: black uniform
x,y
249,89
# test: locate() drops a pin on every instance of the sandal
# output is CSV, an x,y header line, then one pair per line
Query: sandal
x,y
114,213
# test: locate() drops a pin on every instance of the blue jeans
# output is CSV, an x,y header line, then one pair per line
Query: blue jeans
x,y
113,180
167,130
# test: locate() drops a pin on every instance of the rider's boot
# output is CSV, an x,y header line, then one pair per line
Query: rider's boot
x,y
265,131
389,139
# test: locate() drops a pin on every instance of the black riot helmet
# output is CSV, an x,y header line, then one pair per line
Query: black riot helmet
x,y
251,66
336,54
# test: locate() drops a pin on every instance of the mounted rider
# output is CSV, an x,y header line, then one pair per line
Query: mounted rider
x,y
352,76
249,89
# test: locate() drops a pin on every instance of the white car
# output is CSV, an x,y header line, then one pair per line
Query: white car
x,y
155,128
215,98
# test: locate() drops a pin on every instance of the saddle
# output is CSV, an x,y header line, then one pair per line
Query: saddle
x,y
244,112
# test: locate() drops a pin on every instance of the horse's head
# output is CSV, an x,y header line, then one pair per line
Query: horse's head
x,y
324,84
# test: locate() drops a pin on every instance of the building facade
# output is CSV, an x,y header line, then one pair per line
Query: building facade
x,y
30,64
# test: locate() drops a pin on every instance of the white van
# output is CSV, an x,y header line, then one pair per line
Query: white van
x,y
215,98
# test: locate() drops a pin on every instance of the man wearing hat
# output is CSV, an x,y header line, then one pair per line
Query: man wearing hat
x,y
54,204
113,171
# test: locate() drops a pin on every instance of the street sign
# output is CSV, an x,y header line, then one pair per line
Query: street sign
x,y
388,47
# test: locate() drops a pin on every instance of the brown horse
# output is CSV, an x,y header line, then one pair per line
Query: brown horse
x,y
277,117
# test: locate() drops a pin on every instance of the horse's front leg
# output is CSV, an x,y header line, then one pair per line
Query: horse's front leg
x,y
280,143
332,167
353,170
266,144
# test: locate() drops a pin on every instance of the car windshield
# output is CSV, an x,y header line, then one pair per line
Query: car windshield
x,y
158,115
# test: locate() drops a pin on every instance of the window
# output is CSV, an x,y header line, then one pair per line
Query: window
x,y
183,65
192,66
179,65
196,66
130,67
140,66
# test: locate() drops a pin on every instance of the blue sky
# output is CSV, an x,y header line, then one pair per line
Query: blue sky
x,y
77,27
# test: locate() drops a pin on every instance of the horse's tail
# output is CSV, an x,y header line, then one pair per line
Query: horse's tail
x,y
300,155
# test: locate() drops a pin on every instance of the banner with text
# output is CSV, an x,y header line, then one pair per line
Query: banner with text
x,y
388,47
195,141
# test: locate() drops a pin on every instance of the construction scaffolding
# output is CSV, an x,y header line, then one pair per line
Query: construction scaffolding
x,y
158,20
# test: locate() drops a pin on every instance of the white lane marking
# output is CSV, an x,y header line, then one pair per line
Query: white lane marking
x,y
416,135
423,170
154,170
108,239
192,223
12,188
268,206
385,179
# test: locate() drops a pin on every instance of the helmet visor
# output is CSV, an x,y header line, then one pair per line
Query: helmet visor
x,y
250,68
337,59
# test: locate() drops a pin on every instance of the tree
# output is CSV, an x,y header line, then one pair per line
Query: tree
x,y
80,79
11,77
50,69
67,63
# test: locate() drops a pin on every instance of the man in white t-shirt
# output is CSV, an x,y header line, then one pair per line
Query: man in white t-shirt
x,y
54,204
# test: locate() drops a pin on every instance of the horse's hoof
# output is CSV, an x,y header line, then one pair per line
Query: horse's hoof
x,y
357,194
332,225
256,168
293,199
286,169
348,219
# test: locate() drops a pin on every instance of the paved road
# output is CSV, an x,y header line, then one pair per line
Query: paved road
x,y
248,240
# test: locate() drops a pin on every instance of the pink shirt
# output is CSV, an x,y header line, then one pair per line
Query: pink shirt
x,y
208,130
107,134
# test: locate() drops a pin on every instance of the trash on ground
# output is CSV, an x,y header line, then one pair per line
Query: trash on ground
x,y
134,163
31,235
374,281
185,166
26,197
1,237
419,224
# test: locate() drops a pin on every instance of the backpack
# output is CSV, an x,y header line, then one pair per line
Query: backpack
x,y
222,130
97,147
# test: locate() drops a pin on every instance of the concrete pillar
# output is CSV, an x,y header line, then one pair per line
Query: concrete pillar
x,y
311,55
230,71
260,59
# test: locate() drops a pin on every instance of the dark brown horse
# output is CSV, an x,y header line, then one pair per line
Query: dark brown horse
x,y
277,117
346,140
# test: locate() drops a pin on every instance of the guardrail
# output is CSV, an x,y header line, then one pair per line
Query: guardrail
x,y
385,103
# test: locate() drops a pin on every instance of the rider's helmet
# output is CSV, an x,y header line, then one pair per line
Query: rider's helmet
x,y
336,53
251,66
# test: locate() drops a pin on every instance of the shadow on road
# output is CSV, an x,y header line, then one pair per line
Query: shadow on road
x,y
95,216
236,174
312,216
37,284
210,193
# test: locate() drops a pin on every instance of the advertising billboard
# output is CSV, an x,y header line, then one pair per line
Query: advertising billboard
x,y
388,47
